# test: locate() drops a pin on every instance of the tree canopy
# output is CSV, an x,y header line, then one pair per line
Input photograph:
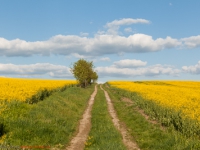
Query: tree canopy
x,y
84,72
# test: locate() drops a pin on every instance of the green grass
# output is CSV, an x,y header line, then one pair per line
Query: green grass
x,y
166,116
149,136
103,134
51,122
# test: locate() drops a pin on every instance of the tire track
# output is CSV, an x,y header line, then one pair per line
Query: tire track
x,y
78,142
131,145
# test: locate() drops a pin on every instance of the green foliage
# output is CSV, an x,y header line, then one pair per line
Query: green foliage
x,y
178,133
103,134
2,127
42,94
52,122
83,72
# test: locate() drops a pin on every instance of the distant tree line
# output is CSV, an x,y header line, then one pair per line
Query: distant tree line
x,y
84,72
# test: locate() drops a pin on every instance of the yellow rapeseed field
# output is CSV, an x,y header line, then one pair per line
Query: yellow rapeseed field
x,y
21,89
183,96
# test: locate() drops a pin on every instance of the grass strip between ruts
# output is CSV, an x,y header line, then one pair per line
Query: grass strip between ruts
x,y
103,134
51,122
147,135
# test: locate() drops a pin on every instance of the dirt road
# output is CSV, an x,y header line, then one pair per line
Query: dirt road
x,y
127,140
78,142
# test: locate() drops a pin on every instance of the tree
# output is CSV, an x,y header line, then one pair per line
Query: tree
x,y
83,72
94,77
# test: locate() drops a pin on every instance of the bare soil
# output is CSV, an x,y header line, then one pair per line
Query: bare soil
x,y
127,139
107,85
129,102
78,142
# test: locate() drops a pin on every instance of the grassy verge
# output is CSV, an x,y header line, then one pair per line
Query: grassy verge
x,y
149,136
51,122
166,116
103,134
42,94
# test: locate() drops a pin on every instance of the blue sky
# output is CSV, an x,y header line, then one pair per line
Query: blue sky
x,y
126,40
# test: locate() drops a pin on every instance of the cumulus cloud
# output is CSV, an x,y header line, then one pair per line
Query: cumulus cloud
x,y
105,59
104,42
154,70
129,63
60,71
128,30
192,69
191,42
19,47
76,55
113,27
97,46
38,69
84,34
126,21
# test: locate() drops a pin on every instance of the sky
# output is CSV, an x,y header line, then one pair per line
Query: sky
x,y
125,39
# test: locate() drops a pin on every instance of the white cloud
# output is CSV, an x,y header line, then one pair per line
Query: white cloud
x,y
76,55
105,59
191,42
129,63
154,70
83,46
104,42
83,34
37,69
113,27
19,47
110,44
128,30
100,82
192,69
126,21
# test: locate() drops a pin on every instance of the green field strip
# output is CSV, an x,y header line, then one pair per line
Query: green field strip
x,y
52,122
103,134
149,136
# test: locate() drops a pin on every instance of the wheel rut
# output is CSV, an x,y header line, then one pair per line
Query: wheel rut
x,y
78,142
127,139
